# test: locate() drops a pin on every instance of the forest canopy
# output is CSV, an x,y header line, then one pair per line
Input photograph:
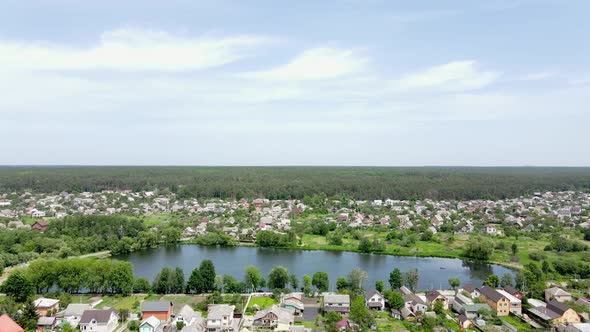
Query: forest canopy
x,y
297,182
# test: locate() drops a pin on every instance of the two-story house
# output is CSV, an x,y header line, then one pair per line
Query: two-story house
x,y
515,303
105,320
374,300
220,317
162,310
275,317
498,302
337,302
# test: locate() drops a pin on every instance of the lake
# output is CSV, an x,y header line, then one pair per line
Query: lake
x,y
433,272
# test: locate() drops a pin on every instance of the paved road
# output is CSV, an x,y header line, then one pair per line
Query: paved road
x,y
312,309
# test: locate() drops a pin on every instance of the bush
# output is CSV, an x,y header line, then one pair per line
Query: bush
x,y
537,256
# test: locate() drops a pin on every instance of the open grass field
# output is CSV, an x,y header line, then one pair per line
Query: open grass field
x,y
262,301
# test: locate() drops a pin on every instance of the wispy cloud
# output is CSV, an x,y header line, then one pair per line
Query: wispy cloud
x,y
315,64
457,75
130,49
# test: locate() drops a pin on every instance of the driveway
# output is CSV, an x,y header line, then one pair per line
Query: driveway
x,y
312,309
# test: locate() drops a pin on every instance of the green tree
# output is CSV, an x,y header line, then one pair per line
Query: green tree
x,y
28,318
394,298
161,284
219,283
410,278
253,278
306,285
360,314
356,279
439,307
278,278
395,279
331,319
294,281
379,286
195,282
341,284
454,282
506,279
141,285
545,267
478,248
492,281
365,245
207,273
514,248
18,286
321,281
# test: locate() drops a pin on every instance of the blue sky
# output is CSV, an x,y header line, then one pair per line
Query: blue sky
x,y
351,82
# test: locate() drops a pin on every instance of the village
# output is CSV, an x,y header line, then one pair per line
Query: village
x,y
523,213
466,308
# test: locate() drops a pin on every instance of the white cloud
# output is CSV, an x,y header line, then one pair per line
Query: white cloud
x,y
130,49
315,64
453,76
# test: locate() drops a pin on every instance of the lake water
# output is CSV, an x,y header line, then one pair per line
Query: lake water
x,y
433,272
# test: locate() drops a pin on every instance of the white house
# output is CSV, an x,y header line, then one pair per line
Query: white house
x,y
73,313
220,317
99,320
149,324
374,300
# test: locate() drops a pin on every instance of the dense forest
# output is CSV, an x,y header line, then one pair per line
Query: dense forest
x,y
296,182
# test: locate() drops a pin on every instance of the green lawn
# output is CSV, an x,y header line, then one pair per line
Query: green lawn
x,y
517,323
262,301
121,302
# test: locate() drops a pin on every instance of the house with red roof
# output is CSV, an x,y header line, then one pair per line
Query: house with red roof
x,y
8,325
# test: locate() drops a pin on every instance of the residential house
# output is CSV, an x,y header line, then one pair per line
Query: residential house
x,y
162,310
275,317
490,229
413,303
150,324
556,293
498,302
44,305
40,226
515,303
435,296
555,313
465,306
293,301
374,300
73,313
337,302
46,323
187,315
471,290
9,325
220,317
575,327
513,291
464,322
105,320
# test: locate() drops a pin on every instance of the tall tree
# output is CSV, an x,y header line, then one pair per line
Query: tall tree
x,y
195,282
306,285
18,286
506,280
341,284
219,283
395,279
278,278
321,281
356,279
410,279
253,277
294,281
207,272
379,286
360,314
161,284
29,316
394,298
454,282
492,281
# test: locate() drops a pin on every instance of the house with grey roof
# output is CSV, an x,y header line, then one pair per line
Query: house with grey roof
x,y
220,317
374,300
73,313
275,317
337,302
105,320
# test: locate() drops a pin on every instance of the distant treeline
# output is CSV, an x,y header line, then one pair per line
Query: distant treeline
x,y
297,182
